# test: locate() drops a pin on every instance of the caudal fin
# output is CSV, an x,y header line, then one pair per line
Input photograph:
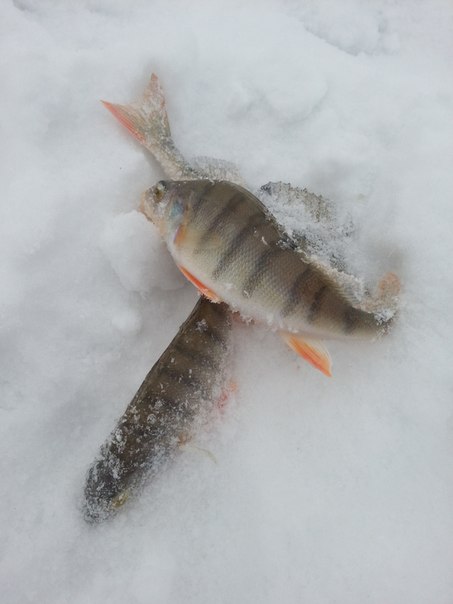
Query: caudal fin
x,y
385,301
147,118
389,288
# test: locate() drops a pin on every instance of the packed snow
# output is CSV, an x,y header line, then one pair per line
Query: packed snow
x,y
314,490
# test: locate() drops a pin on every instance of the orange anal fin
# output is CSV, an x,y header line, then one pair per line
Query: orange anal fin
x,y
205,291
311,350
129,117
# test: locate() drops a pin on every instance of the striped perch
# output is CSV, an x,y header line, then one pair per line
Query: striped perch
x,y
226,242
175,397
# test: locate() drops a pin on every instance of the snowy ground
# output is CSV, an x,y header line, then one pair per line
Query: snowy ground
x,y
324,490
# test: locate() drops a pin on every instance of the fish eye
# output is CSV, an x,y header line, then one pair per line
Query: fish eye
x,y
159,190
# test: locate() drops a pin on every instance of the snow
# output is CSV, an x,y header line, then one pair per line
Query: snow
x,y
323,490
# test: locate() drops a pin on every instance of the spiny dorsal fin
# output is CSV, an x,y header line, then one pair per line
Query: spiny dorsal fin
x,y
218,169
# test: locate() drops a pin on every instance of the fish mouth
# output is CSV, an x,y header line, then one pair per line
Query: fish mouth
x,y
152,207
143,205
98,509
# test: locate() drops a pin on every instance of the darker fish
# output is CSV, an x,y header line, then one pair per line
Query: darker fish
x,y
173,400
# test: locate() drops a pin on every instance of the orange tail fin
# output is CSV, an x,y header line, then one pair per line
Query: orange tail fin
x,y
146,119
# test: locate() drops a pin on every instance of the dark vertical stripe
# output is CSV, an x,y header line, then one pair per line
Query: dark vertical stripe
x,y
259,270
197,205
154,402
317,303
231,205
220,309
350,320
181,377
200,358
238,240
216,335
294,297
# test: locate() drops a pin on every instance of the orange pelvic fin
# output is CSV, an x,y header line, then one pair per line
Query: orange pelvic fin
x,y
205,291
311,350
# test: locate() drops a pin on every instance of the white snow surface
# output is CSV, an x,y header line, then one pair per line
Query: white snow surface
x,y
324,490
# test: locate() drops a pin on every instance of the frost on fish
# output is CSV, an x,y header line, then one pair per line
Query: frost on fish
x,y
311,222
174,400
217,169
327,239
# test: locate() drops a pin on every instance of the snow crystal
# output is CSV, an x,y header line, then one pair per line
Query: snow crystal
x,y
135,251
324,491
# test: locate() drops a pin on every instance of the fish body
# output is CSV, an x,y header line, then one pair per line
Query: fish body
x,y
174,399
224,237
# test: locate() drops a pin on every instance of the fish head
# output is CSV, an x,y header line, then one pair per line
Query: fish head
x,y
107,488
167,206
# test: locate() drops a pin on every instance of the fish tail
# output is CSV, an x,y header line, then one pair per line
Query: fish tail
x,y
147,118
385,301
383,305
147,121
389,288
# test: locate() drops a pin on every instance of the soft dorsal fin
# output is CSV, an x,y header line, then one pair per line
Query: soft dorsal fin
x,y
319,208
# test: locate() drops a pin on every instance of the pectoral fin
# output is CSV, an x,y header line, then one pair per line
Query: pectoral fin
x,y
205,291
311,350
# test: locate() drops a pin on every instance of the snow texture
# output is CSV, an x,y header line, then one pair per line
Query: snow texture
x,y
323,490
